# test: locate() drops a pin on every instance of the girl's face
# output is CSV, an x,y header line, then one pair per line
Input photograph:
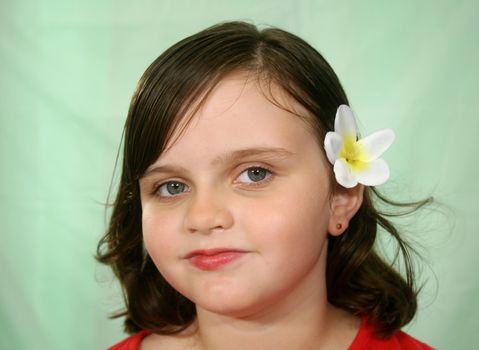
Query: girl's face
x,y
236,210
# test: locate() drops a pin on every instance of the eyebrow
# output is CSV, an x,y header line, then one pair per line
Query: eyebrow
x,y
263,152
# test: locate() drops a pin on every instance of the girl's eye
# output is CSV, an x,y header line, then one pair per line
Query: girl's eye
x,y
171,188
254,174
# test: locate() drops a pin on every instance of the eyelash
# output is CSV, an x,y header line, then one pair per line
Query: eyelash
x,y
158,189
268,177
269,174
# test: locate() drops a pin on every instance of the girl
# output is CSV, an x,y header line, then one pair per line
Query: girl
x,y
243,219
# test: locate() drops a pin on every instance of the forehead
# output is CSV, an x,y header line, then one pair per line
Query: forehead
x,y
241,109
239,114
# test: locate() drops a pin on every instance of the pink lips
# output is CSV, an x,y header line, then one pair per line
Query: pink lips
x,y
212,259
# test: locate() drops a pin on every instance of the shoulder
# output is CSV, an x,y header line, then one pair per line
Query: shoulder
x,y
366,339
130,343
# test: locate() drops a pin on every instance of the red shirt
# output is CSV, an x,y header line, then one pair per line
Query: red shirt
x,y
364,340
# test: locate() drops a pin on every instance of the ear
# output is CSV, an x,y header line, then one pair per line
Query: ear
x,y
344,204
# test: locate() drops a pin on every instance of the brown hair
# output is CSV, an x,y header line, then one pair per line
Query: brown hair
x,y
358,279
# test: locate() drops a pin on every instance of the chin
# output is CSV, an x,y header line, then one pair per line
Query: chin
x,y
226,304
237,305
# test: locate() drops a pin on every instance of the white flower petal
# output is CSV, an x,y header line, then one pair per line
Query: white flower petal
x,y
345,122
332,144
343,176
376,174
377,143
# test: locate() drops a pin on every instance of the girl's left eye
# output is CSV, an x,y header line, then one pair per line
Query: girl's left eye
x,y
254,175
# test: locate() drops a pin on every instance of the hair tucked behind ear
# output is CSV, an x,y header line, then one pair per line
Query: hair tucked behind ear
x,y
175,84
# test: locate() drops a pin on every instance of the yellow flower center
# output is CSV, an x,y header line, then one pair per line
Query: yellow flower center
x,y
354,154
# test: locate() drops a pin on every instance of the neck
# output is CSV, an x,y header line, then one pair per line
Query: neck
x,y
311,323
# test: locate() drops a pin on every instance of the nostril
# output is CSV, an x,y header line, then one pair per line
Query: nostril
x,y
208,218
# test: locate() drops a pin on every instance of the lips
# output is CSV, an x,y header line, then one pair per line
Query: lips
x,y
212,259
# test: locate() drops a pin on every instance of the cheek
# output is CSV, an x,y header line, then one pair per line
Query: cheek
x,y
157,230
160,235
291,220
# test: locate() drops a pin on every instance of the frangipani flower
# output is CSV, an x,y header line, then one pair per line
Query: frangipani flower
x,y
356,161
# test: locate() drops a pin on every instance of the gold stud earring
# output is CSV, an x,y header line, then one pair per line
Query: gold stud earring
x,y
339,226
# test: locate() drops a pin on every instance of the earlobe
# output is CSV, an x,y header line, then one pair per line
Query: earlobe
x,y
344,205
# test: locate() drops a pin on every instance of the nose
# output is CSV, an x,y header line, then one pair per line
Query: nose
x,y
208,212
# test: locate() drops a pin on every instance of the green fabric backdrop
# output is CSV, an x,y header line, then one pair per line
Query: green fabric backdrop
x,y
68,69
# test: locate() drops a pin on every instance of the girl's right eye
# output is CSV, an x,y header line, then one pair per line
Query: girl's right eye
x,y
171,188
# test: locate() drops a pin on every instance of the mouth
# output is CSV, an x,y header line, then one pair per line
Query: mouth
x,y
213,259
